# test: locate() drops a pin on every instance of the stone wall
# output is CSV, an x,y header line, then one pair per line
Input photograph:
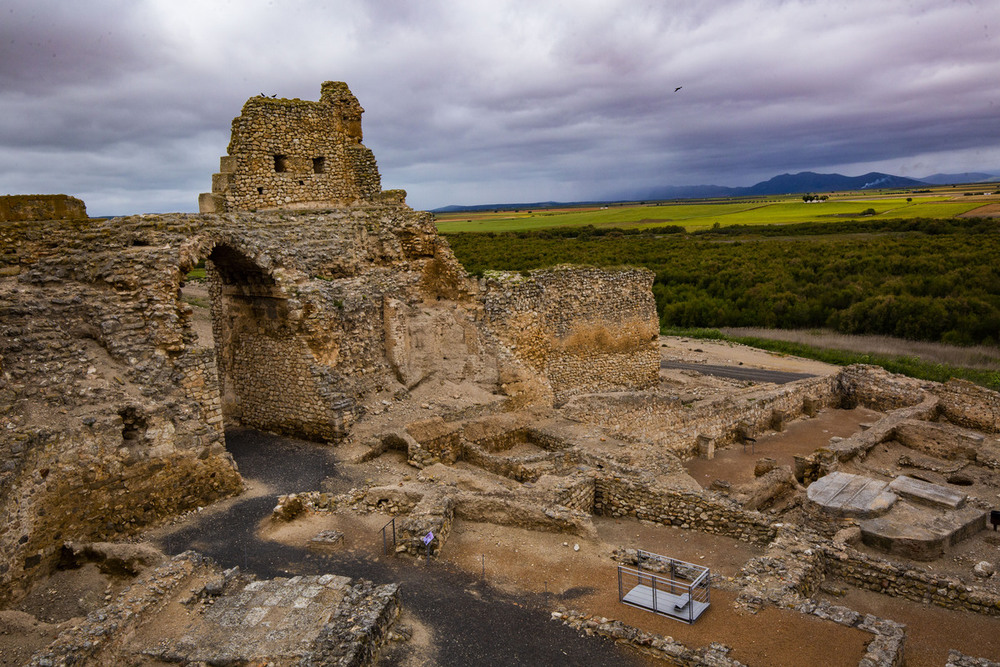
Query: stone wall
x,y
113,411
898,580
41,207
628,495
970,405
582,329
876,388
715,422
296,154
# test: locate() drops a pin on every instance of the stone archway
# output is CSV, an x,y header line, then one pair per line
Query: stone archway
x,y
268,377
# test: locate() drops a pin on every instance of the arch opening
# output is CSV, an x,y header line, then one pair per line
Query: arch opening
x,y
266,374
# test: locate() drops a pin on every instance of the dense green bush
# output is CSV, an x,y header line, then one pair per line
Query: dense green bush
x,y
931,280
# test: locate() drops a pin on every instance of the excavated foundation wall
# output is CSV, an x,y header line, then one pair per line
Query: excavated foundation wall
x,y
618,495
896,580
965,404
703,426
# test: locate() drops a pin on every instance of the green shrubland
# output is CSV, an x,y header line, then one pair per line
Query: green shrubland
x,y
926,279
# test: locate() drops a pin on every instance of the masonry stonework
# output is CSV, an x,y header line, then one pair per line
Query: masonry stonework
x,y
295,154
41,207
112,405
584,329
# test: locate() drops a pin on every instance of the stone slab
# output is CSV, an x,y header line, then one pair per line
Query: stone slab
x,y
267,620
924,492
845,494
921,532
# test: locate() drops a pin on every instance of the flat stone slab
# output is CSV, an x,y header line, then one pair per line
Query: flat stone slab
x,y
266,620
845,494
328,537
921,532
924,492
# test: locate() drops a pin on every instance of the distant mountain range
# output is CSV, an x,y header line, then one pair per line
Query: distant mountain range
x,y
805,181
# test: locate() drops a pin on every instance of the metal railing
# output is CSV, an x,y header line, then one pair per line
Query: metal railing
x,y
386,539
667,586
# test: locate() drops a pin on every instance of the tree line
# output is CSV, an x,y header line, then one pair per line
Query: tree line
x,y
934,280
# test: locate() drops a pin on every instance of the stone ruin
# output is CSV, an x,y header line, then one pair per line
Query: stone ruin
x,y
41,207
111,407
331,299
294,154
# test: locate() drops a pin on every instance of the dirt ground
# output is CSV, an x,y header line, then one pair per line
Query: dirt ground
x,y
802,436
53,605
548,569
520,562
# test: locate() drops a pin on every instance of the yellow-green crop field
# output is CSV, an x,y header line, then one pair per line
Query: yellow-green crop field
x,y
723,212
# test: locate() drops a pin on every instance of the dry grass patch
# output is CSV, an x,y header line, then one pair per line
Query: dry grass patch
x,y
982,357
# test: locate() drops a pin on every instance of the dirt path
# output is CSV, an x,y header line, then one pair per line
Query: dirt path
x,y
456,618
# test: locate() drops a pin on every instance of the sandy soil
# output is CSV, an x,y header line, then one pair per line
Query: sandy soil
x,y
723,353
803,436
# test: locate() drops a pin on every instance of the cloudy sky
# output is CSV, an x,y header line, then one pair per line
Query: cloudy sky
x,y
128,103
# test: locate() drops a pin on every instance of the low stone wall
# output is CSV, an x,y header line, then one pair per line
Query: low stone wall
x,y
663,648
660,420
941,440
877,389
433,514
576,492
438,441
959,659
617,496
520,468
884,650
885,429
896,580
104,630
970,405
356,630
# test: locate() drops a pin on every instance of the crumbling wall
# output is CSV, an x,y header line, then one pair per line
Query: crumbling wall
x,y
898,580
296,154
970,405
41,207
875,388
582,329
110,423
111,409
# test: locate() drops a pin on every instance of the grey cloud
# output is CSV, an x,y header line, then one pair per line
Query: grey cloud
x,y
512,100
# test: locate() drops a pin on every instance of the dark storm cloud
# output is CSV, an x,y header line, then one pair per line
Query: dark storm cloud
x,y
128,104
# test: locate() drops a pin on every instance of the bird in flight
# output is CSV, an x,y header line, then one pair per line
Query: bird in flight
x,y
678,88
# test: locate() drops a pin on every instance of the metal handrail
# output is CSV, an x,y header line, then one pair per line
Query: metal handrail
x,y
385,548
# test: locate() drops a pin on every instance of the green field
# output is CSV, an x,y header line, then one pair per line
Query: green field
x,y
694,215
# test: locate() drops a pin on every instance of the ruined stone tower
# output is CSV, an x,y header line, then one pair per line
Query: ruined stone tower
x,y
295,154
